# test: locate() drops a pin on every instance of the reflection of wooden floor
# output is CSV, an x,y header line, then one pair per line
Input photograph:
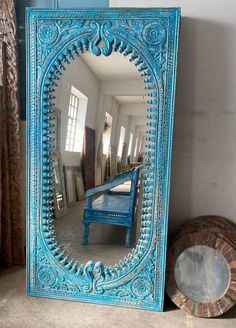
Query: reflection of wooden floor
x,y
106,242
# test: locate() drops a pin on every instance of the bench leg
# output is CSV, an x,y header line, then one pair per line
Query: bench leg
x,y
85,233
127,238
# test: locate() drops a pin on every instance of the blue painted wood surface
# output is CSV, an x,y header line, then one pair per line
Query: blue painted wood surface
x,y
113,203
55,38
20,13
111,208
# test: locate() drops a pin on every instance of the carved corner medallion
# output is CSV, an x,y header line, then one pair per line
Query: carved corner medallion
x,y
54,38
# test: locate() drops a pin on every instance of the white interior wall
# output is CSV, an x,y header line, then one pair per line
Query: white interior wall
x,y
139,131
137,109
136,135
123,121
100,101
80,76
107,104
203,177
139,121
132,130
114,112
120,112
143,143
123,88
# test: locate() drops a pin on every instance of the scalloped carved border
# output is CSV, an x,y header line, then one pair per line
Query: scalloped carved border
x,y
55,38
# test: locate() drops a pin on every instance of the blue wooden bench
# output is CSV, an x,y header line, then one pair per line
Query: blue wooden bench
x,y
112,207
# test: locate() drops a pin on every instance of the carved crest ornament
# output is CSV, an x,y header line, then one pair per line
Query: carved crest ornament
x,y
55,37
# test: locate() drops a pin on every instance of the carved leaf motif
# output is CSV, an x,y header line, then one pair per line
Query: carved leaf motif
x,y
68,27
124,23
137,26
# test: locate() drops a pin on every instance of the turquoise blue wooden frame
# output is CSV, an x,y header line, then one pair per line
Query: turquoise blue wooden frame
x,y
54,38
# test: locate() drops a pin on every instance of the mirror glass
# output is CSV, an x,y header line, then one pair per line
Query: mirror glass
x,y
202,274
101,110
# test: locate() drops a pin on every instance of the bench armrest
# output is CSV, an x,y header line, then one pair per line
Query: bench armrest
x,y
113,182
106,186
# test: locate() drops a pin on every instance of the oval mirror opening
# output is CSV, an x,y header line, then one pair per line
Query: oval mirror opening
x,y
100,139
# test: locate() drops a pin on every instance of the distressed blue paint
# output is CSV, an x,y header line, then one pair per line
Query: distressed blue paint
x,y
20,13
111,208
55,37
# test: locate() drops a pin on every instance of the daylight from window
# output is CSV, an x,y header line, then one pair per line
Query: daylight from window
x,y
106,138
140,145
130,143
136,147
121,141
76,121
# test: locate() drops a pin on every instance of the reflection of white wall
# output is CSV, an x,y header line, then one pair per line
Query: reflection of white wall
x,y
123,121
76,138
123,88
107,104
137,109
137,123
203,177
101,99
134,157
77,74
121,141
130,145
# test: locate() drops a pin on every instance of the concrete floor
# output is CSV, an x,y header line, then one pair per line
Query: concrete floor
x,y
18,310
106,242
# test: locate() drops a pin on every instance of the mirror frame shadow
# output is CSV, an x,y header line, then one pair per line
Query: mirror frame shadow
x,y
54,38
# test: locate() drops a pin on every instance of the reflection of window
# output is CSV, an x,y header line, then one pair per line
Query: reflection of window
x,y
140,145
76,121
136,147
121,141
72,136
106,138
58,186
130,143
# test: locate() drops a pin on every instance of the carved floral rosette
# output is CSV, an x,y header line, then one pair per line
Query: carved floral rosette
x,y
55,38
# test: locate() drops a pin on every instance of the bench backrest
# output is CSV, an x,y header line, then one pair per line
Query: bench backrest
x,y
133,175
133,189
118,179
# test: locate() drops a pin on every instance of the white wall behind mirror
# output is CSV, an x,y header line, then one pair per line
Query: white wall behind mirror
x,y
103,109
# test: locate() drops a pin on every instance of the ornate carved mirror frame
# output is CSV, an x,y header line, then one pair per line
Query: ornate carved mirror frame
x,y
54,38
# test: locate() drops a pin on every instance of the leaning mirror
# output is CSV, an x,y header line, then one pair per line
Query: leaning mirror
x,y
100,115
